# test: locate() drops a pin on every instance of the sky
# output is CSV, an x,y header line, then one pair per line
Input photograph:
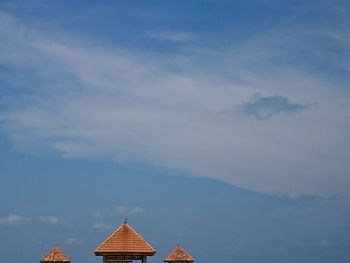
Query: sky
x,y
245,100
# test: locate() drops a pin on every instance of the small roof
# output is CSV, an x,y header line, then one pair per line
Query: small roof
x,y
55,255
179,255
125,240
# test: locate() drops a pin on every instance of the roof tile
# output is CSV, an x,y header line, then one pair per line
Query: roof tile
x,y
179,255
55,255
125,240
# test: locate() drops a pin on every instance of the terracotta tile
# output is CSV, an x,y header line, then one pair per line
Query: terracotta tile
x,y
179,255
125,239
55,255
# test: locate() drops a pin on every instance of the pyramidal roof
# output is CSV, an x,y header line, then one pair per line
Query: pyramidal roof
x,y
179,255
55,255
125,240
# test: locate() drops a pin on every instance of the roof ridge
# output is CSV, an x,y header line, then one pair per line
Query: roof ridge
x,y
140,236
110,236
51,256
179,254
123,240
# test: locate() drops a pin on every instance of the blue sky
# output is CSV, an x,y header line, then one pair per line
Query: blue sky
x,y
253,93
244,94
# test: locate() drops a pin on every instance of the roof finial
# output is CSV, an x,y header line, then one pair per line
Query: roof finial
x,y
126,220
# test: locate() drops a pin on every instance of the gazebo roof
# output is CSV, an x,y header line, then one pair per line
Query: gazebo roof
x,y
125,240
179,255
55,255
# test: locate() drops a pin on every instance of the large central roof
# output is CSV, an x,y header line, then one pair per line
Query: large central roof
x,y
125,240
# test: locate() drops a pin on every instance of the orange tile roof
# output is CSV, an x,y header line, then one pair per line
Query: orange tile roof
x,y
179,255
125,240
55,255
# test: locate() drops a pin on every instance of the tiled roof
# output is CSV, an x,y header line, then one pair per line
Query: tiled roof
x,y
125,240
55,255
179,255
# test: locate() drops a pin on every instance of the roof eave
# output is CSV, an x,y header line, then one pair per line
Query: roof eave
x,y
179,260
134,253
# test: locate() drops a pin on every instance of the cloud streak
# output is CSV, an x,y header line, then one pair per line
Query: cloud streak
x,y
165,110
124,210
10,220
48,219
101,225
176,37
71,241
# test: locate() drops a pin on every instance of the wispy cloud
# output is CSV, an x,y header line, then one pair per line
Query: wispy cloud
x,y
137,210
11,219
48,219
124,210
175,36
71,241
325,243
101,225
121,210
165,110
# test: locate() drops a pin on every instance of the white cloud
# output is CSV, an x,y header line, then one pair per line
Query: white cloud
x,y
11,219
137,210
124,210
97,214
121,210
101,225
173,36
48,219
71,241
166,110
325,243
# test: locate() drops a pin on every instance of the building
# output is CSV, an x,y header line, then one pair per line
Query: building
x,y
179,255
55,256
124,245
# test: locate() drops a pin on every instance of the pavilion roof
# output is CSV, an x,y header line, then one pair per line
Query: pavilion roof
x,y
125,240
179,255
55,255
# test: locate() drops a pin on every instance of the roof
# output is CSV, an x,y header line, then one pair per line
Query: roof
x,y
179,255
55,255
125,240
